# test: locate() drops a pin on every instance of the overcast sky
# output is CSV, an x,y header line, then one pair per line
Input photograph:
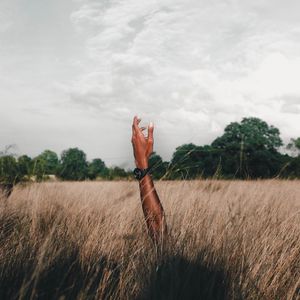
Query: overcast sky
x,y
74,73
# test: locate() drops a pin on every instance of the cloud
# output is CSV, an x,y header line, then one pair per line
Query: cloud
x,y
6,21
191,66
290,104
169,54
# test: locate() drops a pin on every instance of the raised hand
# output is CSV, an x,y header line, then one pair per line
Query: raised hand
x,y
142,145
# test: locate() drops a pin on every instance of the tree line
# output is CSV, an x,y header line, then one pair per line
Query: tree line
x,y
72,165
249,149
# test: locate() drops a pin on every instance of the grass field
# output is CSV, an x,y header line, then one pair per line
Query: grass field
x,y
227,240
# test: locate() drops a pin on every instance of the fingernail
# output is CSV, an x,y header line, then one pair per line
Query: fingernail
x,y
151,124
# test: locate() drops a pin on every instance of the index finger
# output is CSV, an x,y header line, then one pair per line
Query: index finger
x,y
134,125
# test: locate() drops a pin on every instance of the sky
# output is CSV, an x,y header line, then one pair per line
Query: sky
x,y
74,73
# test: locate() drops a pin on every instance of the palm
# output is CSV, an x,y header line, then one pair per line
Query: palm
x,y
142,145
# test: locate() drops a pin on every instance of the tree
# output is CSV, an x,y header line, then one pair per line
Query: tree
x,y
39,168
49,160
9,173
46,163
190,161
117,173
73,165
296,143
158,166
96,168
293,168
25,166
252,132
294,146
249,149
185,162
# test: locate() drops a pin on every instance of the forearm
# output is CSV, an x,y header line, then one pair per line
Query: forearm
x,y
153,210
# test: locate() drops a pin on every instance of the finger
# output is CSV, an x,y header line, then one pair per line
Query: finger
x,y
138,130
135,127
143,128
136,122
150,132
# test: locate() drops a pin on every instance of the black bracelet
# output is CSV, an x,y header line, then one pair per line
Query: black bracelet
x,y
140,173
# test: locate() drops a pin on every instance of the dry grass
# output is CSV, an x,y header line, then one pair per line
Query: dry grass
x,y
235,240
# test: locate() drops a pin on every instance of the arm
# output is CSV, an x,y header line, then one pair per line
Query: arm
x,y
152,208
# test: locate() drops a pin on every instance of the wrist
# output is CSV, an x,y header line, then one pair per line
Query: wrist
x,y
143,164
139,174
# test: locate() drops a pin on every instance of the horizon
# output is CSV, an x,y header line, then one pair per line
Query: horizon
x,y
13,150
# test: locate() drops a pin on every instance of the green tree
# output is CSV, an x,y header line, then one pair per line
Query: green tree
x,y
297,143
185,162
117,173
293,168
249,149
294,146
158,166
252,132
9,173
46,163
49,160
96,168
73,165
39,169
25,166
190,161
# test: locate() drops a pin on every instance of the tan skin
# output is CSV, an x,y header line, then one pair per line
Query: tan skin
x,y
152,208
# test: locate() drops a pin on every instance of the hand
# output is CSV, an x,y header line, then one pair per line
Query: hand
x,y
142,146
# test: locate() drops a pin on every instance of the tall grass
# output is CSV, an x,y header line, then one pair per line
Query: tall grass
x,y
227,240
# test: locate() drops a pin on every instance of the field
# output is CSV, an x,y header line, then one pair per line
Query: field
x,y
227,240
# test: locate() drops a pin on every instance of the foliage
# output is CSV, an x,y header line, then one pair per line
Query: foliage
x,y
294,146
296,143
96,168
158,166
73,165
252,133
39,169
190,161
49,160
117,173
184,163
249,149
46,163
292,169
25,166
9,173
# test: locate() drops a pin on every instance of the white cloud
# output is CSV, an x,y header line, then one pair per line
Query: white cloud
x,y
6,21
190,59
